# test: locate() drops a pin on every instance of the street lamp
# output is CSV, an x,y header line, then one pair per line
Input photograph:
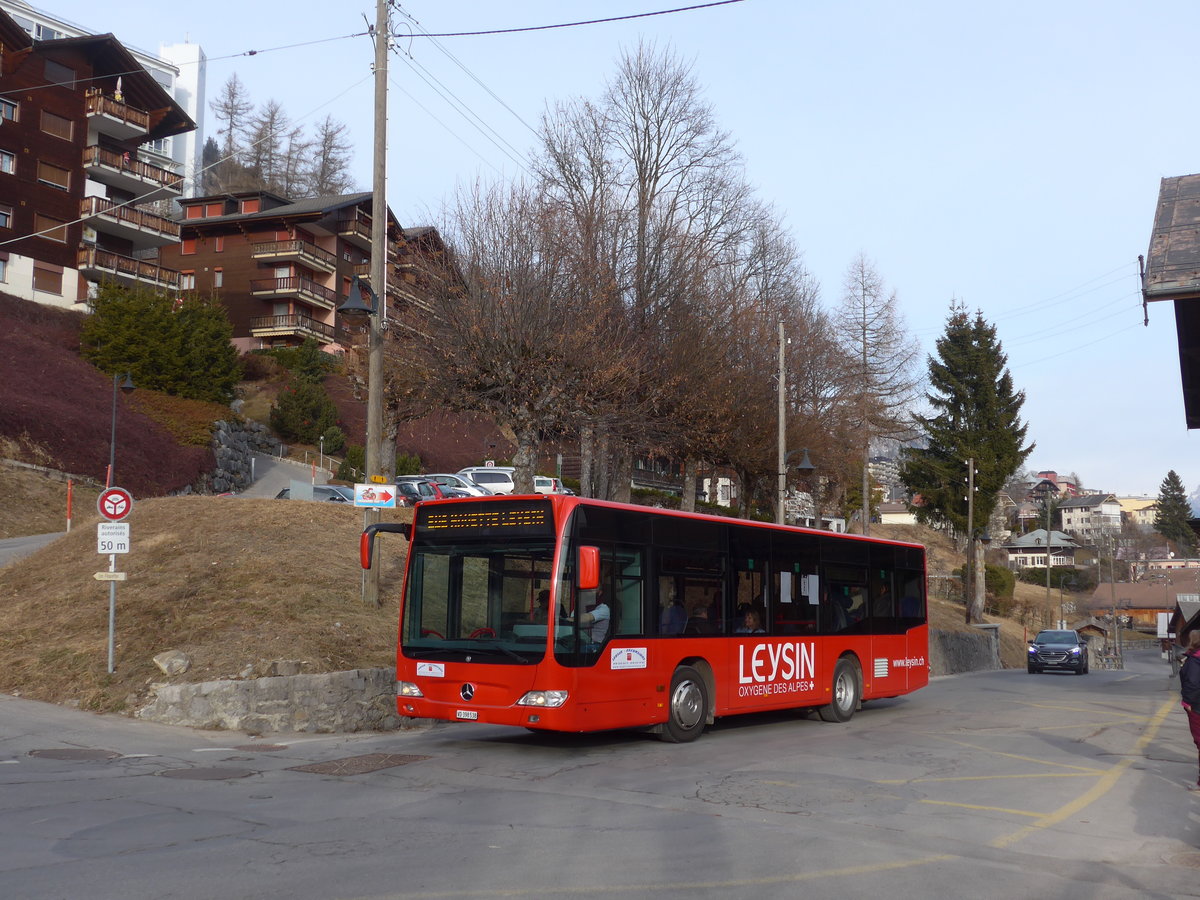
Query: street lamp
x,y
804,467
127,386
1063,579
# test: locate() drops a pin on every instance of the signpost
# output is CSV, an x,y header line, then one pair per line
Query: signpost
x,y
375,496
112,537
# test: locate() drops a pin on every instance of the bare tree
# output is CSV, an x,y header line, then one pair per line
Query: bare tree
x,y
232,108
884,372
328,170
267,133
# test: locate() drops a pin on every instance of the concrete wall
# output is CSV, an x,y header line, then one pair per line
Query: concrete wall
x,y
365,699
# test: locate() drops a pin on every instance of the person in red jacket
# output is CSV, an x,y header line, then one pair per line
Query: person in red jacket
x,y
1189,689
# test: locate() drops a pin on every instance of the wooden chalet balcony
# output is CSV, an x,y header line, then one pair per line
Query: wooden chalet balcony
x,y
99,265
357,230
142,228
297,326
132,175
296,288
115,117
297,251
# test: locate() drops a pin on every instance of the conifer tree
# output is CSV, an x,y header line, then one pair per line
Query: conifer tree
x,y
1174,511
975,415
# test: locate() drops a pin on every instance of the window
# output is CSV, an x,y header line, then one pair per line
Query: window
x,y
187,247
8,162
250,206
53,175
194,212
3,268
57,73
5,217
47,279
50,229
8,110
219,244
218,277
57,125
214,209
187,281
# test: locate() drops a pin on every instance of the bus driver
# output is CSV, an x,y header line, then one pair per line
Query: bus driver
x,y
594,622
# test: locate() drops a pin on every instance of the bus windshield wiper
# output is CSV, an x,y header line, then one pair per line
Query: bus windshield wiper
x,y
493,644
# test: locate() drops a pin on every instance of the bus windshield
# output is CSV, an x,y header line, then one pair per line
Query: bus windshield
x,y
477,601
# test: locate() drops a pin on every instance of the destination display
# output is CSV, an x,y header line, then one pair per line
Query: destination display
x,y
486,518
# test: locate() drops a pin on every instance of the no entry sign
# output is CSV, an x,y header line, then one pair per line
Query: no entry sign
x,y
115,503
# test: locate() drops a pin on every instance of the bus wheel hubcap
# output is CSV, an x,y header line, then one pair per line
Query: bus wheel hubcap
x,y
686,705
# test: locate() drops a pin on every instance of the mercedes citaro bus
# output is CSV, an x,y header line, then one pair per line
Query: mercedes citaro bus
x,y
560,613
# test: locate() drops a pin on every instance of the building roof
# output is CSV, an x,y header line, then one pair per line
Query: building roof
x,y
1036,539
1137,504
1086,500
1172,272
1161,595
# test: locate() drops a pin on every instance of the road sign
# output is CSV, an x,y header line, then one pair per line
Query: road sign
x,y
109,576
112,537
375,496
115,503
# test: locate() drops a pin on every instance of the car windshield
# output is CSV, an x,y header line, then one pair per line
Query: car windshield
x,y
1055,637
490,477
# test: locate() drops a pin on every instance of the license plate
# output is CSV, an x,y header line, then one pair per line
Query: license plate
x,y
466,714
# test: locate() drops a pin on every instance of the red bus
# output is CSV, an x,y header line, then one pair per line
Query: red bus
x,y
560,613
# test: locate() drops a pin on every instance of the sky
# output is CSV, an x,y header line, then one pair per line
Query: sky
x,y
1006,156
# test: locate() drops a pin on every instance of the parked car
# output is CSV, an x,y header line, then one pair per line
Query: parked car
x,y
424,488
459,483
497,479
544,484
1058,649
334,493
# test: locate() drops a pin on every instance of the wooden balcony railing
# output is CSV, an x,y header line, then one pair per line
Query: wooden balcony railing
x,y
136,269
94,155
357,225
98,104
292,323
295,248
295,286
99,206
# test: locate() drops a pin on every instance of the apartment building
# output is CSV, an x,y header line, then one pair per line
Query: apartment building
x,y
75,115
282,267
179,68
1090,517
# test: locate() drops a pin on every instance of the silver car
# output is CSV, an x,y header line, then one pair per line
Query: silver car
x,y
460,482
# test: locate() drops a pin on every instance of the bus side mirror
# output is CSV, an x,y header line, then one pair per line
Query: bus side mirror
x,y
366,542
589,569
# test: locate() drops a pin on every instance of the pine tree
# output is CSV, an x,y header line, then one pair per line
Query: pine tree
x,y
976,415
1174,511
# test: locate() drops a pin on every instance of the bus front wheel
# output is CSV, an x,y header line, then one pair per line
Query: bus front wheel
x,y
845,693
688,707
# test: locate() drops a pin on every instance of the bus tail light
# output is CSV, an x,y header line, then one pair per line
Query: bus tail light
x,y
407,689
545,699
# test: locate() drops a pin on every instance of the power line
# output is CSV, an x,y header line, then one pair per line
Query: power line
x,y
661,12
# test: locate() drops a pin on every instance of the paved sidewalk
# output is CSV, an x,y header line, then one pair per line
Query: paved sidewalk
x,y
272,475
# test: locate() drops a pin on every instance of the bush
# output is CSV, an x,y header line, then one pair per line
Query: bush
x,y
306,362
999,582
335,439
408,464
352,466
303,413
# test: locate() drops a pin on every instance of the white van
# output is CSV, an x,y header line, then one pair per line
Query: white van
x,y
497,479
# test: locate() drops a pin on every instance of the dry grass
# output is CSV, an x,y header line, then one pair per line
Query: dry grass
x,y
37,504
233,583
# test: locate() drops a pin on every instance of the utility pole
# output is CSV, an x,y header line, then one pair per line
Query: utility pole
x,y
969,587
379,253
781,490
1048,510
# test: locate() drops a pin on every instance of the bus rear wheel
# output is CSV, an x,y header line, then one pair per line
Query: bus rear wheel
x,y
688,707
845,693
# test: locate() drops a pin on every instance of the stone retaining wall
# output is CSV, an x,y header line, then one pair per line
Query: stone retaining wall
x,y
365,699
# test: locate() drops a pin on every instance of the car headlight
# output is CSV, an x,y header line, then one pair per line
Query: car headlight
x,y
407,689
544,699
1075,651
1032,649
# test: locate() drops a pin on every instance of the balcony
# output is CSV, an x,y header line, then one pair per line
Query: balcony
x,y
296,326
115,118
132,175
303,252
102,265
295,288
143,229
356,230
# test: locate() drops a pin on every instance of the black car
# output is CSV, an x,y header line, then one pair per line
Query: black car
x,y
1057,649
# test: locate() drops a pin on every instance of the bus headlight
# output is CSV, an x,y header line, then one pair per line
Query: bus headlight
x,y
407,689
545,699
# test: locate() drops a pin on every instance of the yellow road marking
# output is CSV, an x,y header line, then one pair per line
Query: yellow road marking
x,y
1105,784
1014,812
1086,774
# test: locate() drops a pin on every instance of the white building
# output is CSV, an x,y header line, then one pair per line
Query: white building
x,y
179,68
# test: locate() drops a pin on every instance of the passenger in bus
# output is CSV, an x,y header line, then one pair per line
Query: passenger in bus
x,y
751,623
541,609
698,621
674,617
594,622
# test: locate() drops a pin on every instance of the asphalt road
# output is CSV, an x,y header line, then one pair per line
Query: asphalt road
x,y
997,784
